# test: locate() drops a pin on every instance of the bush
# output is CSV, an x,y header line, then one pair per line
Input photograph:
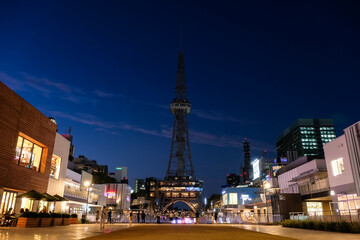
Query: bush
x,y
55,215
44,215
310,224
319,225
74,215
330,226
355,227
65,215
343,226
29,214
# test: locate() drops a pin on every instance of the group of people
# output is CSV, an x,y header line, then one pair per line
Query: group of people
x,y
103,215
174,215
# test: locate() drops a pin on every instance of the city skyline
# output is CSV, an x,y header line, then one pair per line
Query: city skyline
x,y
102,82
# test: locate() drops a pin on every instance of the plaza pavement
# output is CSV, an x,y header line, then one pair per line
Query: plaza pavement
x,y
71,232
167,231
301,234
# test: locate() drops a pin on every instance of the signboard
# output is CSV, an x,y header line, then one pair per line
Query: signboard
x,y
274,168
256,169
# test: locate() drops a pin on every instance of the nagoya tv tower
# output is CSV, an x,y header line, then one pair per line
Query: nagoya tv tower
x,y
180,183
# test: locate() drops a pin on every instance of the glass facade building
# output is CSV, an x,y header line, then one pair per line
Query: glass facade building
x,y
306,137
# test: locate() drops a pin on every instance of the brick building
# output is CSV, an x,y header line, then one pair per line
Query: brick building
x,y
26,141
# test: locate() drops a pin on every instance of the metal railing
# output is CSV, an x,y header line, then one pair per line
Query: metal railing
x,y
351,215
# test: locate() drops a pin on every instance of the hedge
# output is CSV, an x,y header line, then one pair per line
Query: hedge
x,y
343,226
74,215
43,215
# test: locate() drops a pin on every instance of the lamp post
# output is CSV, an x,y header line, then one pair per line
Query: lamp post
x,y
87,185
266,186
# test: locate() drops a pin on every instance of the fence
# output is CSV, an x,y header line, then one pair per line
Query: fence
x,y
351,215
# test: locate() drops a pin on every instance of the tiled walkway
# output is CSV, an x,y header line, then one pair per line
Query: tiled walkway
x,y
301,234
71,232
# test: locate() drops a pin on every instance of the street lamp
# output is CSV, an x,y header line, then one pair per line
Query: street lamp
x,y
267,185
87,185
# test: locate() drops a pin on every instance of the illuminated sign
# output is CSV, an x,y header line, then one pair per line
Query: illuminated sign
x,y
274,168
256,169
111,194
118,168
190,189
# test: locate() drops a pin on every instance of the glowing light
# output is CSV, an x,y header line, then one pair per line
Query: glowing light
x,y
332,193
267,185
87,183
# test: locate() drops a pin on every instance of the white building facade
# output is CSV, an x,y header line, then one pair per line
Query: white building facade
x,y
343,165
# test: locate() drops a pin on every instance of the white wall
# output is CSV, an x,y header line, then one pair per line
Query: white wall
x,y
334,150
285,184
61,149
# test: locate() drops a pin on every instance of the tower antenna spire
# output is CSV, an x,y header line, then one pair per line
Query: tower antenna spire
x,y
181,37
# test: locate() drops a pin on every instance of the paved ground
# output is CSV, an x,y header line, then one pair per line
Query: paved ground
x,y
301,234
185,232
71,232
167,231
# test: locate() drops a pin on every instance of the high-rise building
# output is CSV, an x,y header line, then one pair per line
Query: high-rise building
x,y
246,169
306,137
120,174
139,185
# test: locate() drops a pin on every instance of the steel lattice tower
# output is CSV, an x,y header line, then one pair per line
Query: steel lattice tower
x,y
180,162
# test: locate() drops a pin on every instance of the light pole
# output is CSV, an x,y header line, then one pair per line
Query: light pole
x,y
266,186
87,185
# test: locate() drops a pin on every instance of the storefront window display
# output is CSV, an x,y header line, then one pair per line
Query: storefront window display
x,y
55,166
314,208
7,201
28,154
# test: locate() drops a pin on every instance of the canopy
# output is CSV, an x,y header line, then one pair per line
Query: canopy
x,y
60,198
50,198
34,195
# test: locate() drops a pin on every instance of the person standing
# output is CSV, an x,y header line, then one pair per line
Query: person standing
x,y
130,217
197,214
138,217
97,216
109,216
102,217
143,215
158,217
215,217
171,216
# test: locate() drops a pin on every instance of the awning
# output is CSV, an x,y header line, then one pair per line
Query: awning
x,y
33,195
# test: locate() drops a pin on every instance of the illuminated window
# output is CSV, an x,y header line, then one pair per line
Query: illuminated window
x,y
152,194
337,166
55,166
192,194
28,154
7,201
314,208
185,195
233,198
225,199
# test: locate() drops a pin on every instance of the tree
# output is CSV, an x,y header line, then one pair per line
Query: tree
x,y
101,178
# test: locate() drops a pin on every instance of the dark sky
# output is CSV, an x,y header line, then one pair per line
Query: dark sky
x,y
108,69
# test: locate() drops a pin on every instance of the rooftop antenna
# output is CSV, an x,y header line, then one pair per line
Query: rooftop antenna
x,y
181,38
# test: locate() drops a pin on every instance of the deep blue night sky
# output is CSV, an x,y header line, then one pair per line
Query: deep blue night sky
x,y
108,69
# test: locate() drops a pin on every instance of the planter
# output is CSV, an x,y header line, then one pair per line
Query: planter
x,y
74,221
56,221
28,222
66,221
45,222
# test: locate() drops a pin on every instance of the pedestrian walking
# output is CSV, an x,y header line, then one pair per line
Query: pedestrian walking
x,y
109,216
158,216
97,215
130,217
215,217
171,216
103,217
197,215
143,215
